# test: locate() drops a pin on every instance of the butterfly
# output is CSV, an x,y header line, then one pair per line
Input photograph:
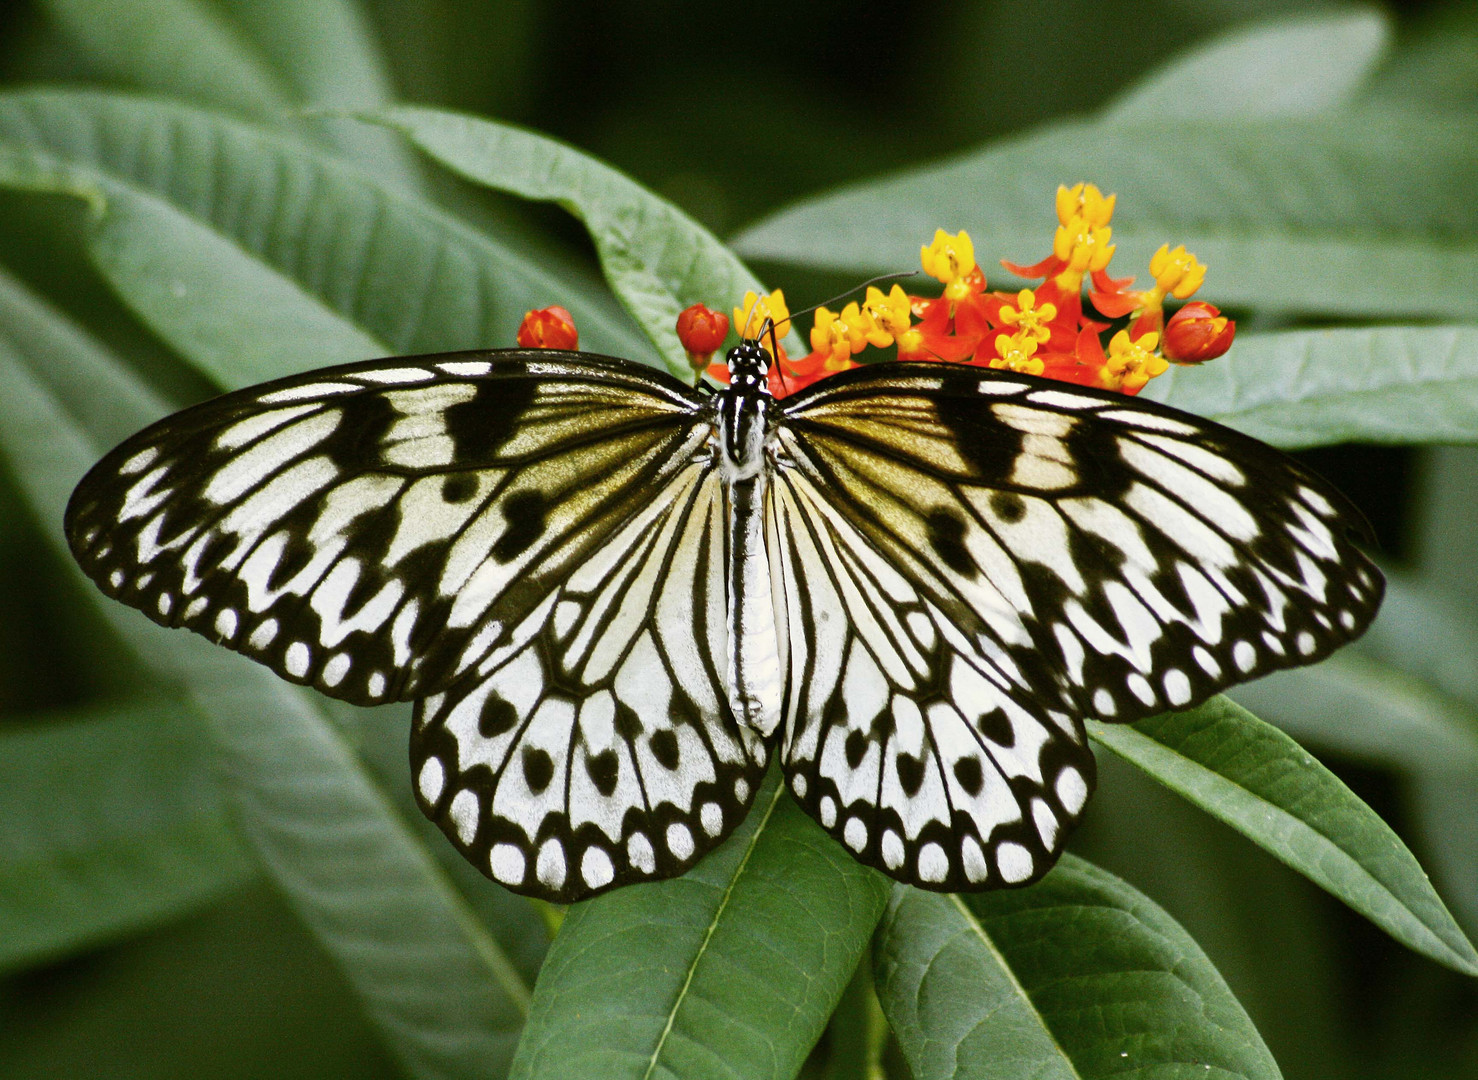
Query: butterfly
x,y
613,597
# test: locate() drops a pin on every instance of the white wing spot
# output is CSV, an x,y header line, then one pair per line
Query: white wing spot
x,y
296,660
464,813
1139,686
1014,862
976,869
116,579
1347,619
375,684
336,668
432,780
1272,642
550,867
1104,703
1177,687
1305,642
196,606
596,868
1072,790
1244,656
828,811
741,788
1045,821
640,854
680,841
308,390
165,603
466,368
507,864
226,623
262,636
933,863
855,833
139,462
395,375
712,818
893,853
1207,661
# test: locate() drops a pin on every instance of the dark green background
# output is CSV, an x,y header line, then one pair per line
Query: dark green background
x,y
731,110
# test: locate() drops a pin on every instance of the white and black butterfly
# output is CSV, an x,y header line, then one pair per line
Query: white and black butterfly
x,y
612,596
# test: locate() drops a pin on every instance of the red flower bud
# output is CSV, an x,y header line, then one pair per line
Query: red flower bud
x,y
1198,332
701,331
548,328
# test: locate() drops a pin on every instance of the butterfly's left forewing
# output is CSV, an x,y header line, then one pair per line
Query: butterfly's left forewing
x,y
374,529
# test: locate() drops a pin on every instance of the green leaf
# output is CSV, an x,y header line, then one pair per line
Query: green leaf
x,y
1263,784
1292,66
1436,63
445,997
1078,976
657,259
263,59
110,822
1320,215
256,257
1392,384
730,970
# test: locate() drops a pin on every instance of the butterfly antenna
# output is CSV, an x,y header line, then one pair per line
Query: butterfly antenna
x,y
769,327
855,288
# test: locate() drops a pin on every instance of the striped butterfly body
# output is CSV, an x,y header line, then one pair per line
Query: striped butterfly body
x,y
613,596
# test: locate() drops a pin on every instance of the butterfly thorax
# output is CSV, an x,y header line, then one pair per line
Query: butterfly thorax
x,y
744,414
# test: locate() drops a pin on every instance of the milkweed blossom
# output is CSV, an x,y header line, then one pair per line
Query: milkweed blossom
x,y
1118,340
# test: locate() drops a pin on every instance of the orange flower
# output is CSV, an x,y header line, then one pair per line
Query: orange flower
x,y
1198,332
701,331
548,328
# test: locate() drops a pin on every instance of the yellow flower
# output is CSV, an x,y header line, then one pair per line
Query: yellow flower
x,y
1016,354
750,318
1084,246
1176,272
1030,321
838,336
950,259
1131,364
1084,201
885,317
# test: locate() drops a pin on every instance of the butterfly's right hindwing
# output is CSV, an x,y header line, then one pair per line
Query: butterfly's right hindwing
x,y
374,529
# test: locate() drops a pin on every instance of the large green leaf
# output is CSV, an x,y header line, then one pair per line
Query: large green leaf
x,y
1284,67
730,970
256,257
1390,384
1077,977
110,821
1263,784
265,59
657,259
1350,213
442,992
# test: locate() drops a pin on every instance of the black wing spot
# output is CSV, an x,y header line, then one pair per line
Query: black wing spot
x,y
947,538
856,748
538,768
458,488
996,726
910,774
481,426
664,749
498,716
602,768
1008,506
524,512
628,724
968,773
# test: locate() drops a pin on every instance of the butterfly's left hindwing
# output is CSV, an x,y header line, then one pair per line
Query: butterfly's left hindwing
x,y
594,745
373,529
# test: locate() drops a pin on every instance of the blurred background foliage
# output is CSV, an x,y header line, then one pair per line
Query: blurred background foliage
x,y
732,111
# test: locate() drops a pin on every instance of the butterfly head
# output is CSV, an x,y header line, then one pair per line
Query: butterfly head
x,y
749,366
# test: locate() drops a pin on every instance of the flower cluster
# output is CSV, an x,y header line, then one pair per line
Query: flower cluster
x,y
1045,330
